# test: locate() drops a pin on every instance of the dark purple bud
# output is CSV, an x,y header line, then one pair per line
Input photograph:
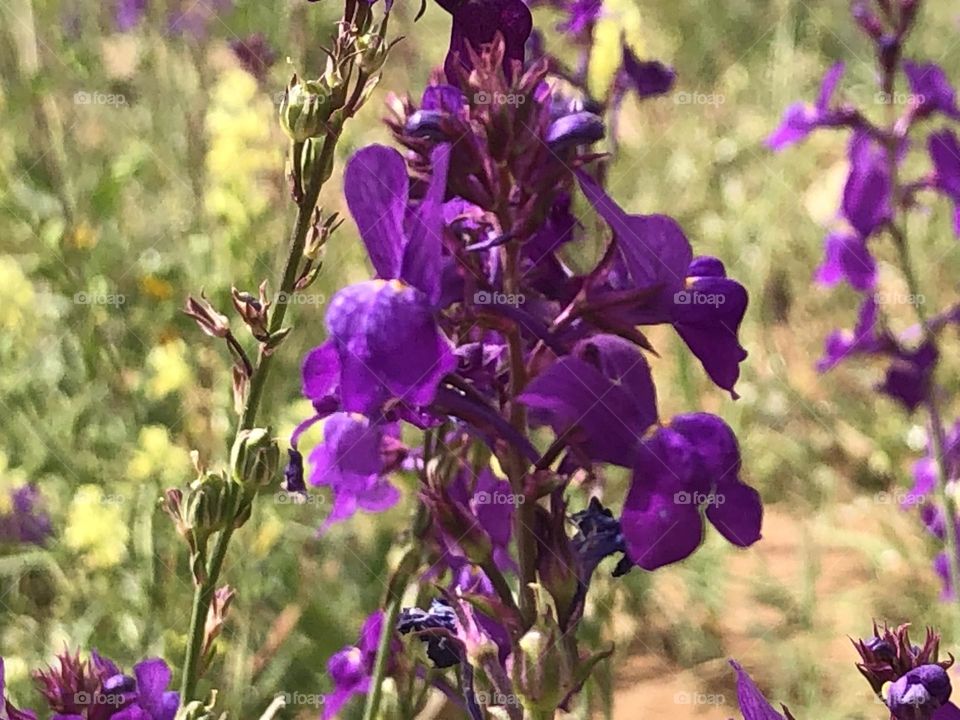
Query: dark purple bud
x,y
293,481
919,693
426,124
582,128
436,628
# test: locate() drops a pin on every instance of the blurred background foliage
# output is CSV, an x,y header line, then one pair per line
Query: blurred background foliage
x,y
138,167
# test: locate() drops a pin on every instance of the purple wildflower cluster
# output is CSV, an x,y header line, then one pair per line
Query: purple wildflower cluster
x,y
522,378
25,522
909,679
877,198
96,689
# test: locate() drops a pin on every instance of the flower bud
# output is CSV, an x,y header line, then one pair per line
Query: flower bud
x,y
581,128
213,502
253,310
255,459
198,710
460,527
305,109
373,49
207,318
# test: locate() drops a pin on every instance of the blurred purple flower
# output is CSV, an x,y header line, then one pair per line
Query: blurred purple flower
x,y
254,54
945,153
846,257
800,119
350,461
932,90
129,13
867,195
351,668
25,523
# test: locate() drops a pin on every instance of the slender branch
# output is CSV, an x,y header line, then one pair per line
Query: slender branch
x,y
203,594
390,615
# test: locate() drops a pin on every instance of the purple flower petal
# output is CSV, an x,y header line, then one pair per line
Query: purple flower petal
x,y
867,194
753,704
661,520
654,248
648,78
933,91
388,345
846,257
376,187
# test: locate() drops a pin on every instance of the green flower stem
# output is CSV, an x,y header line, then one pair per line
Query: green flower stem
x,y
203,594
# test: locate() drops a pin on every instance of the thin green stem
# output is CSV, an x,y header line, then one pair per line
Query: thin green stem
x,y
203,594
202,598
390,615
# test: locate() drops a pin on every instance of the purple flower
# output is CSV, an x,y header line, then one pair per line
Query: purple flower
x,y
694,461
909,374
801,119
867,196
920,693
670,286
351,668
478,22
193,19
388,346
866,338
97,690
25,523
945,152
254,54
403,243
601,399
581,15
648,78
846,257
933,91
129,13
753,704
351,462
